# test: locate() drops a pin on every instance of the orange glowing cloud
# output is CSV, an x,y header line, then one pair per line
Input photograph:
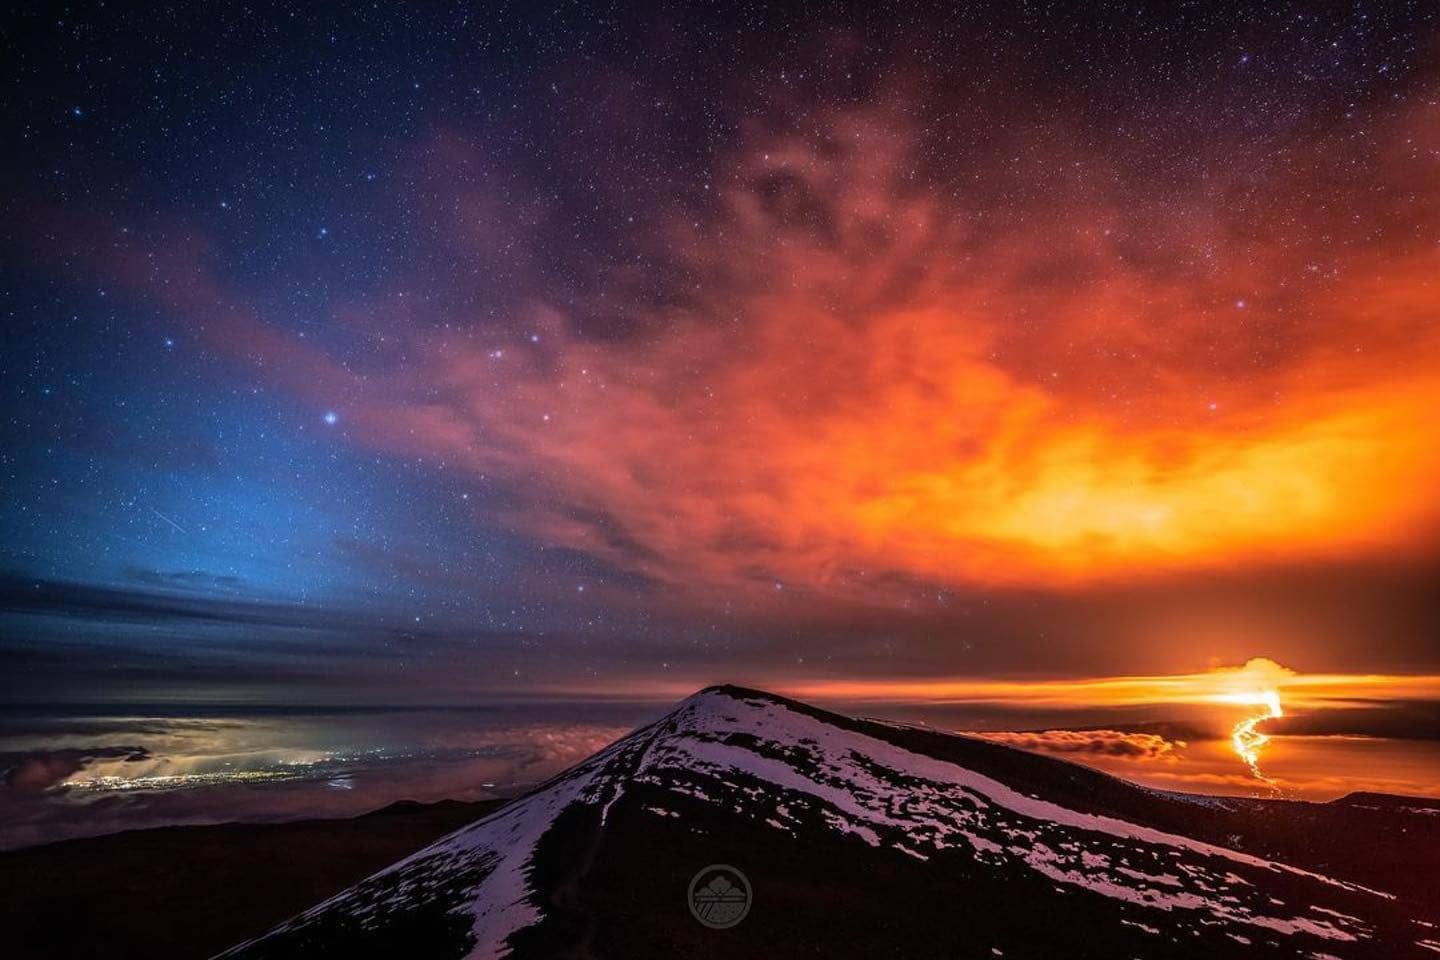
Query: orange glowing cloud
x,y
863,377
854,370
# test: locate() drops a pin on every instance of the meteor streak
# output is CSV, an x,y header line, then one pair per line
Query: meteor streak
x,y
169,521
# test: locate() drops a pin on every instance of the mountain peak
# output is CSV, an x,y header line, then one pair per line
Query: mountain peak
x,y
878,818
720,692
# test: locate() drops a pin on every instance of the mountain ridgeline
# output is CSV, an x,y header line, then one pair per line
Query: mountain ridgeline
x,y
866,839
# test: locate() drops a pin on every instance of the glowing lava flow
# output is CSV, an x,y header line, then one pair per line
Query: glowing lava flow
x,y
1247,740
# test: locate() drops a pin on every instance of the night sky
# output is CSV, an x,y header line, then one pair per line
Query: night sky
x,y
416,356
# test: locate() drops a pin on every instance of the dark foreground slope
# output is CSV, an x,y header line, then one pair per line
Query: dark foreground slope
x,y
184,893
869,840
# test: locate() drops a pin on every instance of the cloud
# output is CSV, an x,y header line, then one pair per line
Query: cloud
x,y
196,580
1403,720
34,773
156,597
190,600
869,379
205,767
1238,686
885,350
1109,743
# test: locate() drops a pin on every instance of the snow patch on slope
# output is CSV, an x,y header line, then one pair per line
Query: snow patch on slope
x,y
867,786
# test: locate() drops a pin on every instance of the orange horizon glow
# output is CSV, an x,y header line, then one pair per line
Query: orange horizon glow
x,y
1246,685
1260,682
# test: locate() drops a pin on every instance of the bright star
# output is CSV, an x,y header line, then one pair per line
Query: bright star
x,y
331,417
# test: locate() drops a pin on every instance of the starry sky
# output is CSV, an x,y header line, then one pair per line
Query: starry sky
x,y
400,355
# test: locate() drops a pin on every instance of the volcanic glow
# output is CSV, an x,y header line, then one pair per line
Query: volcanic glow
x,y
892,405
1258,683
1221,685
1248,740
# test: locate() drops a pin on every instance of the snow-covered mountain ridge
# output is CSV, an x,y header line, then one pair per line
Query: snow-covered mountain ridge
x,y
835,820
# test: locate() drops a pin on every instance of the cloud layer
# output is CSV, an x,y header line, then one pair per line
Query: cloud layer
x,y
32,774
1110,743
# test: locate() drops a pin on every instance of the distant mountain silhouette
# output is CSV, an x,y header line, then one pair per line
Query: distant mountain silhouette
x,y
187,892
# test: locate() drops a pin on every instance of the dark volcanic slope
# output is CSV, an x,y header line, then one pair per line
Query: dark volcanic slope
x,y
860,840
184,893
